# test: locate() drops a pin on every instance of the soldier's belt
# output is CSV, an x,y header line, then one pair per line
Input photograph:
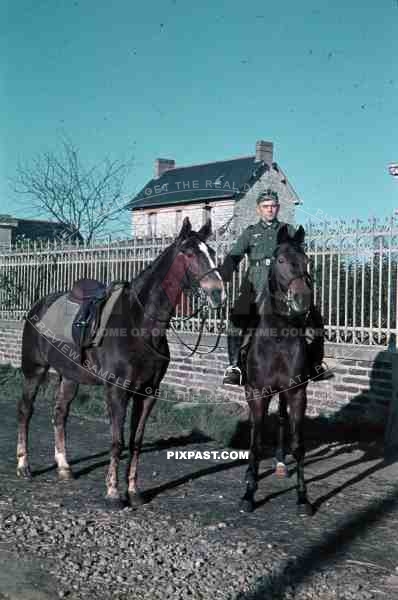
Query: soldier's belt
x,y
256,263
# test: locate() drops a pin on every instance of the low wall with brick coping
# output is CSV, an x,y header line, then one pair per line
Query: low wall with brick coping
x,y
361,385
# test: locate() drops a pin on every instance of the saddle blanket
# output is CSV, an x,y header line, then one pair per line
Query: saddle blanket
x,y
56,323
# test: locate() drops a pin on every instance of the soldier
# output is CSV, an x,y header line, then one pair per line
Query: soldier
x,y
258,242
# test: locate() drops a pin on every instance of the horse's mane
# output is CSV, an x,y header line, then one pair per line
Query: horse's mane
x,y
142,278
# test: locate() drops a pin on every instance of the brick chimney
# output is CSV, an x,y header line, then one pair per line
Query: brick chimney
x,y
264,151
162,165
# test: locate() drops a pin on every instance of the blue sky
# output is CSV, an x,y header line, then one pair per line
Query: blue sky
x,y
203,81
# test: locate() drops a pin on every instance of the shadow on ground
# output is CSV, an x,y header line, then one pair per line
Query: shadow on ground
x,y
360,425
324,553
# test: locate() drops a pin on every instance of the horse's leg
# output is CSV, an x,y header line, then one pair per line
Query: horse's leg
x,y
297,404
116,400
24,414
258,408
142,406
66,392
280,455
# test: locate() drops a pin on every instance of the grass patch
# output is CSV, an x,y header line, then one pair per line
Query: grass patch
x,y
224,423
218,422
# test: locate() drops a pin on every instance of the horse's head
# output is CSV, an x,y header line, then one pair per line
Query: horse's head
x,y
198,262
290,283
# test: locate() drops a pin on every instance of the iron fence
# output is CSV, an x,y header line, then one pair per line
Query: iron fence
x,y
354,266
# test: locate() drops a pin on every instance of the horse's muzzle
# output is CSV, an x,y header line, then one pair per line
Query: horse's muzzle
x,y
214,289
216,297
299,295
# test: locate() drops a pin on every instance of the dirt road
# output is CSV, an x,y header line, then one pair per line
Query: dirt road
x,y
348,549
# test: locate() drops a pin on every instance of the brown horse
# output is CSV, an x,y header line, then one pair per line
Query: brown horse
x,y
130,365
278,360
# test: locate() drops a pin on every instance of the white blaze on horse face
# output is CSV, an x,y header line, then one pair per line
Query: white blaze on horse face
x,y
203,248
208,282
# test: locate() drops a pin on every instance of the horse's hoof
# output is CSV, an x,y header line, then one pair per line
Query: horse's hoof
x,y
115,502
24,472
305,509
281,471
136,499
65,474
246,505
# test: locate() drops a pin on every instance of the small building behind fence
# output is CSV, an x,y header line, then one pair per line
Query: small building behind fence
x,y
223,191
14,230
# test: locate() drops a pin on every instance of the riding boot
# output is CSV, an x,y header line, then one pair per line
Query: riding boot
x,y
233,373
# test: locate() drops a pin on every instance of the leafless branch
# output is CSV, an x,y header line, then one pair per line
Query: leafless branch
x,y
82,199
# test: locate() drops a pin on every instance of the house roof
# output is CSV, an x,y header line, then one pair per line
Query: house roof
x,y
33,229
8,221
36,229
215,180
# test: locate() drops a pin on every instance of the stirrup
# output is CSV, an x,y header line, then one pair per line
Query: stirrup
x,y
233,375
324,372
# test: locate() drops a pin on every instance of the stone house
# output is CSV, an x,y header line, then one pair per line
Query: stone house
x,y
224,191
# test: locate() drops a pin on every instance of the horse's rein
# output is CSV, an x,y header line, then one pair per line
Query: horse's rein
x,y
195,350
201,308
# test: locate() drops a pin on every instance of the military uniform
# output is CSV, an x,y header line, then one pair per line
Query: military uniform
x,y
258,242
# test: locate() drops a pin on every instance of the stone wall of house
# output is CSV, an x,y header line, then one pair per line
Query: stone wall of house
x,y
169,219
361,386
221,212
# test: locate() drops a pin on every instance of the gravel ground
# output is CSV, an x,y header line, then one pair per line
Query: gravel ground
x,y
94,554
190,541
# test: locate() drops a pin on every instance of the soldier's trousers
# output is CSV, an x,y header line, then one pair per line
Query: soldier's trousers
x,y
243,319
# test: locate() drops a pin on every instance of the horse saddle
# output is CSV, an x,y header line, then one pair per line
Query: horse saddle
x,y
90,295
80,316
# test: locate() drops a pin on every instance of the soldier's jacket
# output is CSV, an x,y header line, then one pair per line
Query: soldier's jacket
x,y
258,242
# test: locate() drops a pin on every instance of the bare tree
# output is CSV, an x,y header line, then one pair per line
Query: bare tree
x,y
83,200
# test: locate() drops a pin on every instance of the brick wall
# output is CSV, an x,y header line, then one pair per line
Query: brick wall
x,y
10,342
361,386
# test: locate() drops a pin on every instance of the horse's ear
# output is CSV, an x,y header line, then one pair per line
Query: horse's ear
x,y
283,234
299,235
185,229
205,231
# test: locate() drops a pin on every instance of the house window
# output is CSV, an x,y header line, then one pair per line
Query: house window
x,y
206,214
5,239
152,222
178,220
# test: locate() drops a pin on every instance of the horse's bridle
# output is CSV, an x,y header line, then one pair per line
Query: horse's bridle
x,y
212,270
201,308
287,297
163,321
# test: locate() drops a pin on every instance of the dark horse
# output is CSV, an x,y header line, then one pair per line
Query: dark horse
x,y
277,359
131,364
